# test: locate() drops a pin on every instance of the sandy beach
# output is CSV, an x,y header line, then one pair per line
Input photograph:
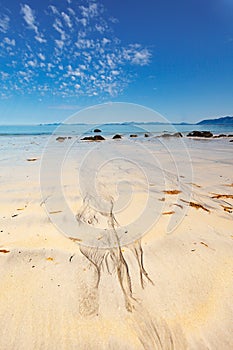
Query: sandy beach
x,y
88,264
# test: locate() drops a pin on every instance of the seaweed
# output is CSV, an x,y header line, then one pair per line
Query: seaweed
x,y
195,205
172,192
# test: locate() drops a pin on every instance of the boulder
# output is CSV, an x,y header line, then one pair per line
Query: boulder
x,y
97,130
61,138
146,135
133,135
117,136
200,134
93,138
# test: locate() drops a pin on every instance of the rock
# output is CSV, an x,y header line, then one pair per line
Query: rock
x,y
117,136
97,130
177,134
133,135
231,141
230,135
200,134
61,138
218,136
146,135
93,138
32,159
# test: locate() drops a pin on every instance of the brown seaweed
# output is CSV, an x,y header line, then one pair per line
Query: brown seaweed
x,y
195,205
172,192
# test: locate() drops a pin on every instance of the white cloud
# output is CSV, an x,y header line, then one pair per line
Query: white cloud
x,y
4,23
81,35
32,63
50,66
8,41
82,66
40,39
141,58
59,44
54,10
41,56
90,11
71,11
59,28
115,72
100,28
67,19
114,20
110,61
29,17
83,21
105,41
136,55
4,75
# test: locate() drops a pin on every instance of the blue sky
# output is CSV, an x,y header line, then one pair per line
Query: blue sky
x,y
57,57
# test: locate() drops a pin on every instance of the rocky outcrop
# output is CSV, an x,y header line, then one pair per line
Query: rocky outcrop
x,y
176,134
219,136
93,138
97,130
196,133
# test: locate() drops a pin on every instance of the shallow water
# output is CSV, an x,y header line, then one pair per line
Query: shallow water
x,y
109,129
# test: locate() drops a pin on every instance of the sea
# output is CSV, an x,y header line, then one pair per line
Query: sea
x,y
111,129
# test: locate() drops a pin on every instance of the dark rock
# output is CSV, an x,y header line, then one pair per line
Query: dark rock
x,y
165,135
117,136
200,134
218,136
97,130
230,135
93,138
133,135
231,141
177,134
146,135
61,138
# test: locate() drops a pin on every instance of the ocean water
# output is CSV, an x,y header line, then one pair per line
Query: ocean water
x,y
109,129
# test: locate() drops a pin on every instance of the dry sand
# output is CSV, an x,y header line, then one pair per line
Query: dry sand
x,y
158,290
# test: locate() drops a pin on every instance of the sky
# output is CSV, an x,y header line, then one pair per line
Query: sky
x,y
59,56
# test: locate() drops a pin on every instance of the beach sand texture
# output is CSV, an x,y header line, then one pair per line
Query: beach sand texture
x,y
160,290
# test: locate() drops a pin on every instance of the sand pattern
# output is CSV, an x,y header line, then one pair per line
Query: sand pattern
x,y
163,290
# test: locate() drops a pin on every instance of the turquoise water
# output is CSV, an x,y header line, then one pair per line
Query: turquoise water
x,y
109,129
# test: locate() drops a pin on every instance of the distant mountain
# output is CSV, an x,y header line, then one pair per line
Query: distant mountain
x,y
218,121
152,123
